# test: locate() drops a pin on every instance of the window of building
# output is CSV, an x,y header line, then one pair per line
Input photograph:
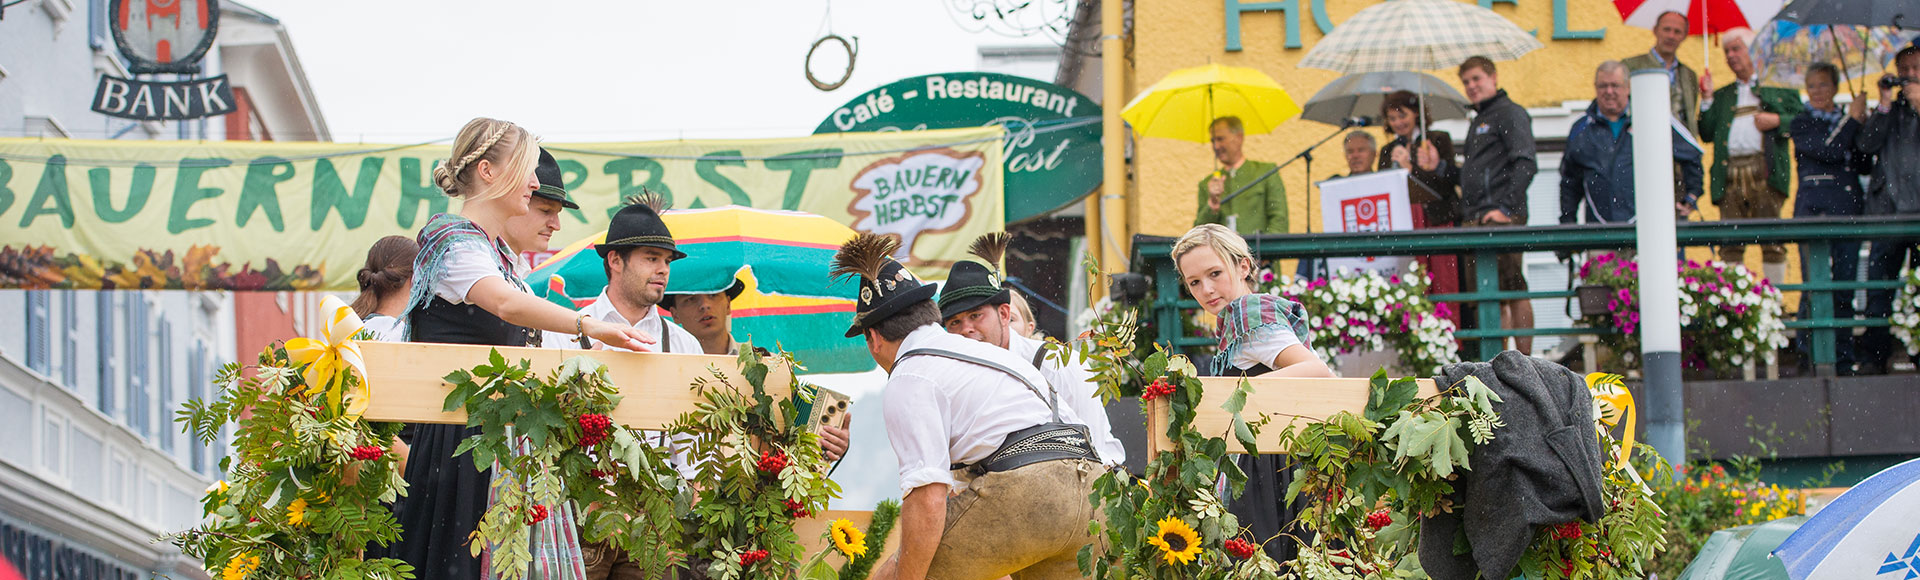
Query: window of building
x,y
109,371
39,335
197,389
138,379
70,339
164,360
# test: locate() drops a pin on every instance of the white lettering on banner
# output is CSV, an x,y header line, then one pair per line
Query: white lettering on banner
x,y
875,105
940,87
918,193
113,94
1020,135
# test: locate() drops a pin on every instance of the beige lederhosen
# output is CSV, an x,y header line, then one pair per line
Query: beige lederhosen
x,y
1749,197
1029,523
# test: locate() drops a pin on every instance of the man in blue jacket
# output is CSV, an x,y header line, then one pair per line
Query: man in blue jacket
x,y
1597,170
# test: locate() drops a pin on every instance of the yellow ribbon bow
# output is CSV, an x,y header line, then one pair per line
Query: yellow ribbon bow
x,y
333,355
1616,403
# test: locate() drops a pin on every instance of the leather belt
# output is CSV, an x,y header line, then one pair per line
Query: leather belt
x,y
1036,444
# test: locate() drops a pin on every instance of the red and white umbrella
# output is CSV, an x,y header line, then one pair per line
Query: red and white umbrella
x,y
1703,16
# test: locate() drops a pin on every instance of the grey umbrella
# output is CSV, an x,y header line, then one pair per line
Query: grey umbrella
x,y
1360,95
1901,13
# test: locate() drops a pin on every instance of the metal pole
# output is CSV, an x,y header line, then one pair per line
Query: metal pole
x,y
1114,229
1659,268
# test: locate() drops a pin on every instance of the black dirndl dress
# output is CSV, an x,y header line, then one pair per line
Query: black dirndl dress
x,y
1262,506
446,495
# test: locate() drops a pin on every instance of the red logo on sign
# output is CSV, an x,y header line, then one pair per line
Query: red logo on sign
x,y
1367,214
164,35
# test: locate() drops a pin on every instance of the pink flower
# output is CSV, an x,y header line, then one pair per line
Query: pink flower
x,y
1266,276
1604,258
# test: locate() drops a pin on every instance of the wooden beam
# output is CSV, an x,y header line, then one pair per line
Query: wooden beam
x,y
1285,399
407,379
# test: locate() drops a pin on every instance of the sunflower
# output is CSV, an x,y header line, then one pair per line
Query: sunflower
x,y
1176,540
240,567
297,512
849,539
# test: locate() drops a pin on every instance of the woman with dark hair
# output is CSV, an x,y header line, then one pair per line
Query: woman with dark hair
x,y
1434,183
385,283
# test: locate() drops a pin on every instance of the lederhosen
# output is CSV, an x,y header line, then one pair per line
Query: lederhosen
x,y
1052,441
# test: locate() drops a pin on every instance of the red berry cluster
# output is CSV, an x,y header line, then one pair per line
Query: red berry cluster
x,y
602,473
1567,531
367,452
751,557
1241,549
797,509
536,514
1159,388
1379,519
594,428
1566,567
772,462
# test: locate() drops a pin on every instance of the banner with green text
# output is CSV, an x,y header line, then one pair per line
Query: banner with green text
x,y
300,216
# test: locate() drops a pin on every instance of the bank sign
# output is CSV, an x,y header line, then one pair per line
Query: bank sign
x,y
1052,148
163,36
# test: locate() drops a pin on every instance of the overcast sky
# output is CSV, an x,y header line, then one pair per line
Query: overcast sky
x,y
587,70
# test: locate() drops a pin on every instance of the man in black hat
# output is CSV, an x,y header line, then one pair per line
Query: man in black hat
x,y
708,317
637,257
969,417
975,304
533,231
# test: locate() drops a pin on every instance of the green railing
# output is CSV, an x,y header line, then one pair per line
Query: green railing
x,y
1814,236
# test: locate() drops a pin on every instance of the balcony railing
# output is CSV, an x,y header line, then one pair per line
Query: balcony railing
x,y
1815,236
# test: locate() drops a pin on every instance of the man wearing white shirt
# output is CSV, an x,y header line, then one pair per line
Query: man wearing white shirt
x,y
965,415
1752,151
974,304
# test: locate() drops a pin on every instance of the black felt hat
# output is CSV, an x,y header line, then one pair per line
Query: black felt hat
x,y
886,287
971,285
638,225
667,301
552,186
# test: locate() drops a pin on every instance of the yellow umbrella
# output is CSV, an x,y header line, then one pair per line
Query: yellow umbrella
x,y
1184,104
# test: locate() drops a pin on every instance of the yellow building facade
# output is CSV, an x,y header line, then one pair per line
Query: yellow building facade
x,y
1273,36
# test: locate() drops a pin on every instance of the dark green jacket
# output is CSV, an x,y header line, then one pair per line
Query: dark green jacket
x,y
1261,210
1718,118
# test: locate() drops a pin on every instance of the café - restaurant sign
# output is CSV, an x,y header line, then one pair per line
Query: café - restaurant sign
x,y
1052,147
163,36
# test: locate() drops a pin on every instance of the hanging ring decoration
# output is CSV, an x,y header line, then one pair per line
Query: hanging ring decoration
x,y
853,50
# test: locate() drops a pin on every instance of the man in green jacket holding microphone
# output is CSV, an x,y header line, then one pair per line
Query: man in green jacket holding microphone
x,y
1242,194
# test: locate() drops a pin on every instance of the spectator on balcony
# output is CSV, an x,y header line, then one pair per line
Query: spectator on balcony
x,y
1683,86
1892,135
1748,126
1433,185
1242,194
1597,169
1358,146
1830,170
1499,166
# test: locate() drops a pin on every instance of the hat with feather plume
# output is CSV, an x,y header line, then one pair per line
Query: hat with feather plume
x,y
638,225
886,287
971,285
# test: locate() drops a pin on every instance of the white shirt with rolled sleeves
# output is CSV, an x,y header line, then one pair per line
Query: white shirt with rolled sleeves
x,y
679,341
1077,390
941,411
682,342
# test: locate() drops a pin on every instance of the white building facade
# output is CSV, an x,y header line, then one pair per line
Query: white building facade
x,y
94,470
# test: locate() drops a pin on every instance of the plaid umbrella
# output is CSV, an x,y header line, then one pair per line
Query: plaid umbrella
x,y
1416,35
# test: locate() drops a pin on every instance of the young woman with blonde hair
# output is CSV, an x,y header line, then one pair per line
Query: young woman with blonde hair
x,y
466,290
1260,335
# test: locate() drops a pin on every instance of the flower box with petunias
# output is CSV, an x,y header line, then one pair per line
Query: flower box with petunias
x,y
1729,317
1366,311
1906,311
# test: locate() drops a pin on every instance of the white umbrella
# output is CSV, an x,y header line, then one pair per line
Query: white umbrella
x,y
1871,531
